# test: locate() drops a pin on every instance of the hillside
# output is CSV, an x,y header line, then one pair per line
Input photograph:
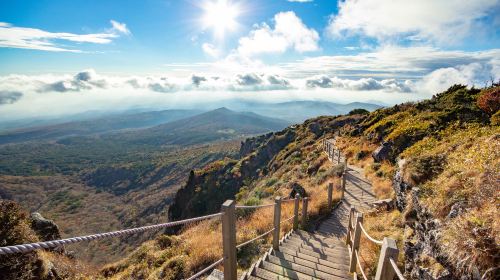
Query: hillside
x,y
114,180
437,158
94,126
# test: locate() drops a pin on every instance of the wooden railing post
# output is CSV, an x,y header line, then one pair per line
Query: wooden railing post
x,y
330,196
349,227
344,173
355,242
296,212
277,217
385,271
229,239
338,158
304,212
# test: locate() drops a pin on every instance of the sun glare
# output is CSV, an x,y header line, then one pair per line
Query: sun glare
x,y
220,15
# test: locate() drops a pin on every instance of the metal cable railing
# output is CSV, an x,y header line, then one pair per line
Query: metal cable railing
x,y
379,242
254,206
203,271
396,269
255,238
25,248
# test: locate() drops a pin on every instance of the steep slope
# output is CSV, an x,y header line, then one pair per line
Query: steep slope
x,y
94,126
443,157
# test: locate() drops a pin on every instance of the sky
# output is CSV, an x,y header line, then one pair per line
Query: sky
x,y
67,57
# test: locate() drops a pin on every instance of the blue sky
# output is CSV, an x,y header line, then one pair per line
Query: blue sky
x,y
83,55
161,32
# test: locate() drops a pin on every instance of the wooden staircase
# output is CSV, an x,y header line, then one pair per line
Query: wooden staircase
x,y
321,253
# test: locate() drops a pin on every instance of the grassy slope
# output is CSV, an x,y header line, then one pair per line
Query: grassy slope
x,y
449,148
299,161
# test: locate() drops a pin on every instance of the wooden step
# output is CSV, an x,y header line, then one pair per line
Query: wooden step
x,y
301,268
267,275
339,270
285,272
339,258
296,254
322,250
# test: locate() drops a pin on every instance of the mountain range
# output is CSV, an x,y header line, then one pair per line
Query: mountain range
x,y
84,124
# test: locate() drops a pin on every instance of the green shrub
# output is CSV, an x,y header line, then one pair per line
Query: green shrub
x,y
359,112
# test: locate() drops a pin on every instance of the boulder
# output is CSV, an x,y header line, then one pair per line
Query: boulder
x,y
383,152
297,189
45,229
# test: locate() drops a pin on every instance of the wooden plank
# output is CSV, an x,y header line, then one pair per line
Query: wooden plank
x,y
341,272
299,268
314,259
286,272
343,259
319,249
268,275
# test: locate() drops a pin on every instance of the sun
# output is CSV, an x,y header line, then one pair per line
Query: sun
x,y
220,15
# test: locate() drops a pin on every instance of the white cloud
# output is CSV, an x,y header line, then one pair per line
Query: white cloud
x,y
37,39
210,50
301,1
436,20
289,32
84,80
363,84
120,27
473,74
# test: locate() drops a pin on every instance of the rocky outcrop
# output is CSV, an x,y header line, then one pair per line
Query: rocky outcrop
x,y
383,152
296,188
401,188
45,229
207,189
251,144
423,256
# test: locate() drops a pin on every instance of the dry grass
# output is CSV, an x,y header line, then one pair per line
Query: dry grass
x,y
380,225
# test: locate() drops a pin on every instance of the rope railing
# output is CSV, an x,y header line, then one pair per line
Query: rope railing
x,y
254,206
359,265
254,239
206,269
26,248
379,242
286,220
396,269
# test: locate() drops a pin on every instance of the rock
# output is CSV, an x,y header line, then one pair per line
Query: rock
x,y
315,128
400,187
456,210
45,229
384,204
383,152
297,189
216,275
